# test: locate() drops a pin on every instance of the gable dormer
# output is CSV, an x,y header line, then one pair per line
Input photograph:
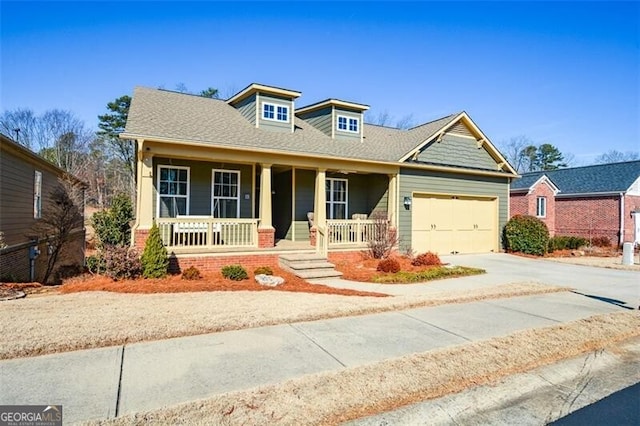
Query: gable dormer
x,y
336,118
266,107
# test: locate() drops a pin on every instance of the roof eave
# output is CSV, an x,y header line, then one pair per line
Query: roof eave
x,y
257,87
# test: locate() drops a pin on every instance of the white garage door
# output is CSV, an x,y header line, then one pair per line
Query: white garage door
x,y
447,224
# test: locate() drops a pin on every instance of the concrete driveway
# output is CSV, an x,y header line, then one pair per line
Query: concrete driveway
x,y
610,285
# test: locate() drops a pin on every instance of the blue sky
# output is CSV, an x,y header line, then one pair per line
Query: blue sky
x,y
565,73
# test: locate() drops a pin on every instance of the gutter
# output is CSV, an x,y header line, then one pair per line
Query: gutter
x,y
589,194
621,218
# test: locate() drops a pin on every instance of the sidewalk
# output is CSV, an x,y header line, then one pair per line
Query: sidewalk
x,y
103,383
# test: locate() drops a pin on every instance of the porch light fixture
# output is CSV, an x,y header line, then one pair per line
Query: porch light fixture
x,y
407,203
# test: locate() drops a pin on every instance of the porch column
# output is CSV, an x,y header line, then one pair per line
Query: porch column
x,y
266,232
392,200
319,206
145,206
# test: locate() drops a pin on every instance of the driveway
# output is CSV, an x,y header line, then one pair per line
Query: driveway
x,y
611,285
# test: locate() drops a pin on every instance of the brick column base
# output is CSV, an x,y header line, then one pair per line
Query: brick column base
x,y
266,237
312,236
140,238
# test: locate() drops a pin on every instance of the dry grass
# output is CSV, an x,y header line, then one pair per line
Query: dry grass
x,y
335,397
35,326
602,262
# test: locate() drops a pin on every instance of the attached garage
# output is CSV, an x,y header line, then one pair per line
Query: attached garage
x,y
452,224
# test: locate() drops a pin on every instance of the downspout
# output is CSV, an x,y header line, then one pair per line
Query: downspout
x,y
621,218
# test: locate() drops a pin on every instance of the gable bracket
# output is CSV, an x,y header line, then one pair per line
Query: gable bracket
x,y
481,142
439,139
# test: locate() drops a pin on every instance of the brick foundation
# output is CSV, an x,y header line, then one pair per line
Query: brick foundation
x,y
215,263
266,237
140,238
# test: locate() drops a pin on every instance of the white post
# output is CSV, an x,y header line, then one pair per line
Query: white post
x,y
265,197
320,212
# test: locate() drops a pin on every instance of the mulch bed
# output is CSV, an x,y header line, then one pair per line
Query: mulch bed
x,y
365,269
211,282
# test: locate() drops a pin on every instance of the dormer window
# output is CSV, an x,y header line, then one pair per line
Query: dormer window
x,y
348,124
275,112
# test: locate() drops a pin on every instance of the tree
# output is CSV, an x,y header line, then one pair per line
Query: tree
x,y
61,216
210,92
614,156
548,157
112,226
385,119
525,156
21,125
155,261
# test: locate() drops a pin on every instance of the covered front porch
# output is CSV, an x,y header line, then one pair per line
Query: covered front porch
x,y
204,206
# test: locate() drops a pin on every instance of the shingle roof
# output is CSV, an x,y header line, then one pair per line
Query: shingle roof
x,y
614,177
190,118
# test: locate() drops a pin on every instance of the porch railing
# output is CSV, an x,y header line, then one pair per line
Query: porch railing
x,y
345,231
321,241
208,232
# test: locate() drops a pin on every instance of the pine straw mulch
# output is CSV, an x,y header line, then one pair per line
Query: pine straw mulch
x,y
209,282
365,270
335,397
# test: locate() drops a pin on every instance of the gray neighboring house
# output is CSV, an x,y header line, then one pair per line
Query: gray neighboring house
x,y
255,175
26,180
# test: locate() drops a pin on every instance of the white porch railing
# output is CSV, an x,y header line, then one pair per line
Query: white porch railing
x,y
345,231
322,246
208,232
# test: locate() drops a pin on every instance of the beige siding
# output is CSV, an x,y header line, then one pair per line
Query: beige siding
x,y
457,151
16,195
417,181
460,129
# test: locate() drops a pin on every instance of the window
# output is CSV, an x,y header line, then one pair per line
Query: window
x,y
348,124
37,195
173,191
336,192
541,207
275,112
225,201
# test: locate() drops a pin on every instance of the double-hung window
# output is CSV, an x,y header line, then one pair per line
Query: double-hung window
x,y
173,191
348,124
541,206
37,195
275,112
336,192
226,194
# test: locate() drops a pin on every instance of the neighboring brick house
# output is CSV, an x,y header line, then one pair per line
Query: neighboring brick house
x,y
594,201
26,180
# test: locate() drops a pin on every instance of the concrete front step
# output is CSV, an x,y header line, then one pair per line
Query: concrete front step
x,y
309,274
309,266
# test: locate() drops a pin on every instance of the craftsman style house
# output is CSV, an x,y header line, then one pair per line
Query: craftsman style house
x,y
257,175
594,201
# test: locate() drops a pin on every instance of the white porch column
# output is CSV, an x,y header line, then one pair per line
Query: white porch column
x,y
265,197
320,205
145,207
392,200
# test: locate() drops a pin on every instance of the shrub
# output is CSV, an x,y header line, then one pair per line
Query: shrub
x,y
564,242
191,273
234,272
121,262
384,237
154,257
389,265
426,259
95,264
526,234
112,225
263,270
601,242
427,275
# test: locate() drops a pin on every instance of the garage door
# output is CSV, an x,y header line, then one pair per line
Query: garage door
x,y
447,224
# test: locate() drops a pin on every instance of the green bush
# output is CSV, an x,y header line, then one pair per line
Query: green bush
x,y
427,275
121,262
263,270
389,265
234,272
95,264
426,259
191,273
526,234
112,225
564,242
154,257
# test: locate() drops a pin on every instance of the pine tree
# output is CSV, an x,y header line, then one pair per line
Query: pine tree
x,y
155,261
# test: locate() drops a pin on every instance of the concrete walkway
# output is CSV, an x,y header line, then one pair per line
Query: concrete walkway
x,y
617,286
107,382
